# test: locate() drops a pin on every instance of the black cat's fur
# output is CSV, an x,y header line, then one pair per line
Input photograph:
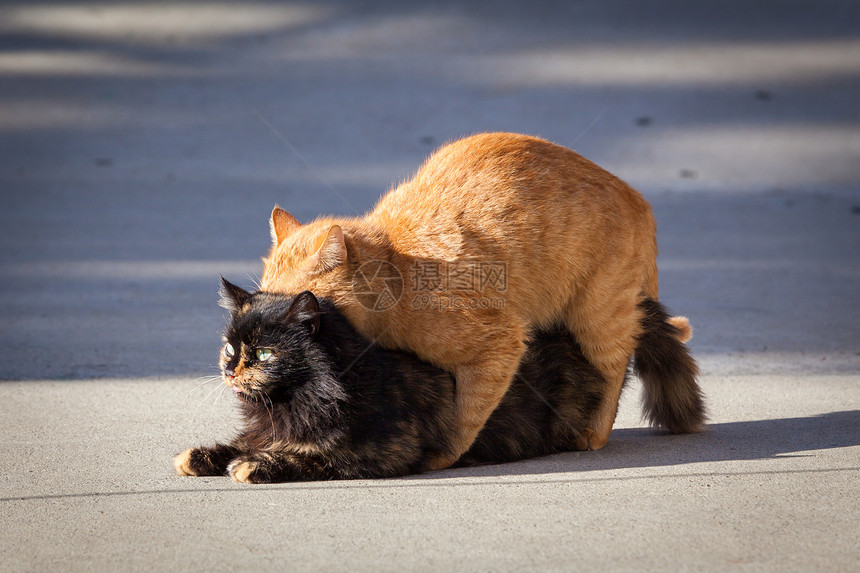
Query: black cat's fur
x,y
329,404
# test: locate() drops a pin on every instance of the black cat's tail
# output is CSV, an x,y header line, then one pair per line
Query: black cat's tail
x,y
671,397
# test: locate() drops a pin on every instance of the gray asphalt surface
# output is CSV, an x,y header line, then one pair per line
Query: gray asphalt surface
x,y
142,146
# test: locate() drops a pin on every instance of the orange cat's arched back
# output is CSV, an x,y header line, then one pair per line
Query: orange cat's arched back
x,y
495,235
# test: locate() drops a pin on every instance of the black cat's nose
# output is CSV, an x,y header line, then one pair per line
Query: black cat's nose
x,y
229,372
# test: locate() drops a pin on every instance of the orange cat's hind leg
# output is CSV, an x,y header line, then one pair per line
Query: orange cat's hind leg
x,y
480,387
607,333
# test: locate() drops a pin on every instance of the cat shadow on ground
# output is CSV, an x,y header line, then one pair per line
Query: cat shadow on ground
x,y
627,448
731,441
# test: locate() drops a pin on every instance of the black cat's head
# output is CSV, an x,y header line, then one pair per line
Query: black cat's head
x,y
268,351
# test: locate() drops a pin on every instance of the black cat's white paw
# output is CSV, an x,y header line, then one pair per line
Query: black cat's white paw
x,y
187,463
244,471
203,461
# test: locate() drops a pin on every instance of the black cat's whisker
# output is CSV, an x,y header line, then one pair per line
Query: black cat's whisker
x,y
271,413
218,397
217,370
191,386
254,281
221,393
194,414
206,377
205,380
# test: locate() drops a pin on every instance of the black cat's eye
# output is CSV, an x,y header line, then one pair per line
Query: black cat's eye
x,y
264,354
229,350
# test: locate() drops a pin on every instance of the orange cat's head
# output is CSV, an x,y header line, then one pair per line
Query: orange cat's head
x,y
302,255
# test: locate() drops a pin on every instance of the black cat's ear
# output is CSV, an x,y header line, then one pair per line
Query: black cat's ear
x,y
232,297
305,309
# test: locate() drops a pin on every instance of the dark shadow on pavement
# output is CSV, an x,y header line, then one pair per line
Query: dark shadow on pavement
x,y
732,441
628,448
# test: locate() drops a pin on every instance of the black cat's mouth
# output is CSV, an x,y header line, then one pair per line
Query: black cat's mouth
x,y
242,394
248,395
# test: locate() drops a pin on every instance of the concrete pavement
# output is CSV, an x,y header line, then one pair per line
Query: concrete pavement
x,y
142,146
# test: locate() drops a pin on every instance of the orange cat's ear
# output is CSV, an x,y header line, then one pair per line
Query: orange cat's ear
x,y
282,225
331,252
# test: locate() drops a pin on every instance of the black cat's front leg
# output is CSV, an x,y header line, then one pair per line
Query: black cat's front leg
x,y
273,467
209,461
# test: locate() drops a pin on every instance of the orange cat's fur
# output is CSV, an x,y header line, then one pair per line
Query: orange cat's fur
x,y
578,247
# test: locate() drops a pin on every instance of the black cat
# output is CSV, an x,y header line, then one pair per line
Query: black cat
x,y
322,402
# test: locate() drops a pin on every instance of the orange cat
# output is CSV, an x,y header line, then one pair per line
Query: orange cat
x,y
496,235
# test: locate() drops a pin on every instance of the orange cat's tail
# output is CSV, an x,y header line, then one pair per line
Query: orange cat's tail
x,y
671,398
